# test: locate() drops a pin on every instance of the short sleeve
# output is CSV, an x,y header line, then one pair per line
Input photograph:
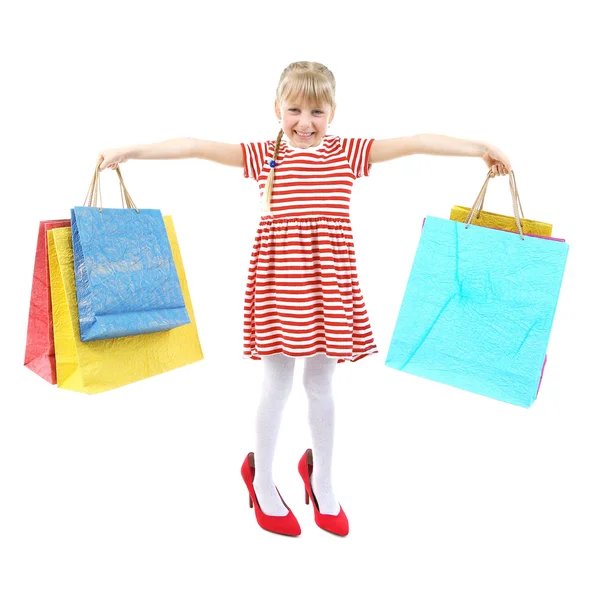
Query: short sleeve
x,y
357,152
255,155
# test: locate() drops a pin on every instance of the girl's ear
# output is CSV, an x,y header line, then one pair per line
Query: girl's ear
x,y
277,109
331,115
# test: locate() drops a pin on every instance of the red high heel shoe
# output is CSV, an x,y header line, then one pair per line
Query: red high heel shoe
x,y
336,524
283,525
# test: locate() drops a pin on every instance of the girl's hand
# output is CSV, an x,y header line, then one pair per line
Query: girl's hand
x,y
497,161
111,158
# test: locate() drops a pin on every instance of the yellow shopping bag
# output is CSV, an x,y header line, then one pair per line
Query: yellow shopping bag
x,y
497,221
93,367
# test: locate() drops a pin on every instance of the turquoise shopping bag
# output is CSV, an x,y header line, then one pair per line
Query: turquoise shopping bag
x,y
125,277
478,309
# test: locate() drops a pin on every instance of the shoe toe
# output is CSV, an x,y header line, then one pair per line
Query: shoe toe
x,y
283,525
336,524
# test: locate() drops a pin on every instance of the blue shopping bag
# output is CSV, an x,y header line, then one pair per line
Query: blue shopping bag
x,y
478,309
125,277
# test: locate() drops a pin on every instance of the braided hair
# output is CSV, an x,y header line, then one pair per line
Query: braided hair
x,y
271,178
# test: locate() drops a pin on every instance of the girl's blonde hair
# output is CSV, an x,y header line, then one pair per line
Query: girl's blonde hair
x,y
301,80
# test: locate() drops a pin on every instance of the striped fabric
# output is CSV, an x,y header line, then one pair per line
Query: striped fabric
x,y
303,297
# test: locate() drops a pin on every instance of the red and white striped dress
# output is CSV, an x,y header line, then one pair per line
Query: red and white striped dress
x,y
303,295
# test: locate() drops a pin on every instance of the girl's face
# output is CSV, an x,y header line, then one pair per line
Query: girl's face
x,y
305,124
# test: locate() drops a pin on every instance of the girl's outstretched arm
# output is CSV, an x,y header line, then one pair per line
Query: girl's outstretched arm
x,y
383,150
229,154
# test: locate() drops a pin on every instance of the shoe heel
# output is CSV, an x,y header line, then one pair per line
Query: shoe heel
x,y
336,524
283,525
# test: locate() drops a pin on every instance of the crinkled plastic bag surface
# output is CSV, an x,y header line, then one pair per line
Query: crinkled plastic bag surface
x,y
504,222
125,276
93,367
39,349
478,309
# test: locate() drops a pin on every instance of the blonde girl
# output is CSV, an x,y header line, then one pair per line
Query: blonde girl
x,y
303,298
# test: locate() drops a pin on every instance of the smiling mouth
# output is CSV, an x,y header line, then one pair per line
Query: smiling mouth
x,y
304,135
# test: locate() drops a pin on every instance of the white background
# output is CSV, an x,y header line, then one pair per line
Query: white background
x,y
139,487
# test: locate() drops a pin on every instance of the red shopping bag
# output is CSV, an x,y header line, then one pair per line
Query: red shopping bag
x,y
39,350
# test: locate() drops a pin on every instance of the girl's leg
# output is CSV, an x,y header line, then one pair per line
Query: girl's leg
x,y
317,380
277,385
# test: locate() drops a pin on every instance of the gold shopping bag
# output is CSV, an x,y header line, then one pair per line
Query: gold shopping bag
x,y
101,365
497,221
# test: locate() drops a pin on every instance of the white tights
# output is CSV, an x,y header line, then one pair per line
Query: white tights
x,y
277,385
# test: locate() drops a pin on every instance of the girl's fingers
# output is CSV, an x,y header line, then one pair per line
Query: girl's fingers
x,y
499,170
